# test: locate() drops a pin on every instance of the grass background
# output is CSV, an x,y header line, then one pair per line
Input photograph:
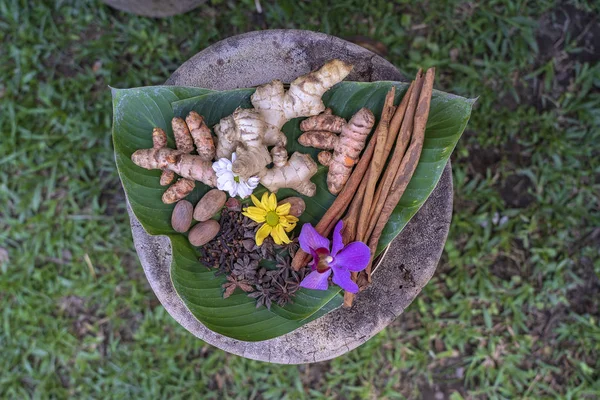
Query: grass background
x,y
512,311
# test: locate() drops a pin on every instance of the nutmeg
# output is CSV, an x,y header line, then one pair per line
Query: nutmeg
x,y
203,232
209,205
181,219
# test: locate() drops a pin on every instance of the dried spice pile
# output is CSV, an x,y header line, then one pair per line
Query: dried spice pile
x,y
233,252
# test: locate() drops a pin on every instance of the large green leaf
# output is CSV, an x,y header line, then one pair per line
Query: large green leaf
x,y
137,111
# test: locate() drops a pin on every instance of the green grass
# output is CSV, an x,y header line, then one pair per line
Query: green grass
x,y
512,311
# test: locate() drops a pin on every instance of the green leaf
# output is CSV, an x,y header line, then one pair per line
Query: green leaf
x,y
137,111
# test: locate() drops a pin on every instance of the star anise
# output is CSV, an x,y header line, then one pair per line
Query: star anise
x,y
294,280
267,249
263,296
281,294
284,266
245,268
233,283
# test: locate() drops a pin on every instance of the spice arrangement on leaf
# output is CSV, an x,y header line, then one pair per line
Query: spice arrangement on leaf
x,y
254,226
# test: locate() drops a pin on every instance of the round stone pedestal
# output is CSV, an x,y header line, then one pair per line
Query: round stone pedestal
x,y
256,58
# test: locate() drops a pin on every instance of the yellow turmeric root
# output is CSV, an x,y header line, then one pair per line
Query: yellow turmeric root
x,y
323,140
178,191
347,151
324,158
159,140
203,140
323,122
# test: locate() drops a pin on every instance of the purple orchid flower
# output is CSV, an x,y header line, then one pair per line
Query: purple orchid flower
x,y
341,260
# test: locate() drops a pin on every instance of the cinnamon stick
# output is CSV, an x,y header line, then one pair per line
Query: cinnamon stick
x,y
377,162
399,150
350,220
409,161
340,204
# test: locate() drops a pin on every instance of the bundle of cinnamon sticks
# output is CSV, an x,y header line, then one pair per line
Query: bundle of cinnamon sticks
x,y
374,189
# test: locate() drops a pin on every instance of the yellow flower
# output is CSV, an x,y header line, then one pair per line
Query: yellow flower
x,y
275,219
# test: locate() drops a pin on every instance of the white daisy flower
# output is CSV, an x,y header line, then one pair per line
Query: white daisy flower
x,y
230,182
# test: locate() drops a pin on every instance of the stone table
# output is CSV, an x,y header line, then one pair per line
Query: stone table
x,y
256,58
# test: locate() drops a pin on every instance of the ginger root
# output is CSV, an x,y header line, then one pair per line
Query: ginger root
x,y
243,132
250,132
295,174
179,162
346,147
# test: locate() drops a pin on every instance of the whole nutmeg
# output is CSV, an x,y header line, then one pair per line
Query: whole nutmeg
x,y
203,232
209,205
297,205
181,219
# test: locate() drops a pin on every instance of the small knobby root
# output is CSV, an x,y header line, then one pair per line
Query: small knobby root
x,y
178,190
183,138
203,140
323,122
167,177
159,140
324,157
323,140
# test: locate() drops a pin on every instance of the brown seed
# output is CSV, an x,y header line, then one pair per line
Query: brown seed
x,y
298,205
203,232
233,204
209,204
181,219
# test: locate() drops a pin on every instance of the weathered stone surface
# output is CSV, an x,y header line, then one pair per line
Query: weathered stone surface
x,y
155,8
412,258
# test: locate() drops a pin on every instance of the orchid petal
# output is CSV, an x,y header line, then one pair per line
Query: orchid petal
x,y
338,243
316,280
354,257
341,277
311,240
